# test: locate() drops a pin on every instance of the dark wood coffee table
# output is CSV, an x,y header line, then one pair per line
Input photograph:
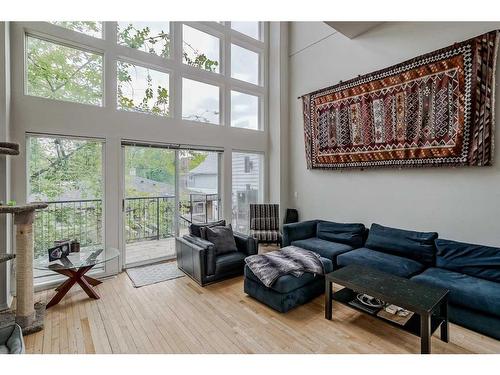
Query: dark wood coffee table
x,y
430,304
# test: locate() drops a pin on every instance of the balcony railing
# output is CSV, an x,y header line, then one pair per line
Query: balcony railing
x,y
150,218
81,219
146,218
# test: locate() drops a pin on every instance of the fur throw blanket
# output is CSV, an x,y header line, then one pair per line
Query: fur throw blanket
x,y
289,260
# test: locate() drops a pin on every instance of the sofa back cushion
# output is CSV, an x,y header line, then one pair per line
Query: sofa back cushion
x,y
349,234
470,259
195,229
418,246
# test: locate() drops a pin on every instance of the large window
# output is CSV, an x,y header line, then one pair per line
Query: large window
x,y
56,71
244,64
200,49
206,72
247,187
244,110
142,89
68,175
200,102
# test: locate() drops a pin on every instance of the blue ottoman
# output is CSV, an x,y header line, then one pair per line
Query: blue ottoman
x,y
288,291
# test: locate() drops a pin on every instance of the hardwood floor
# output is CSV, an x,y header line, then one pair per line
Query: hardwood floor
x,y
178,316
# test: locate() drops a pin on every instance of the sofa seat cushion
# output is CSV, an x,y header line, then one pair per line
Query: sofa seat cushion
x,y
473,260
288,283
418,246
466,291
392,264
326,249
229,261
4,349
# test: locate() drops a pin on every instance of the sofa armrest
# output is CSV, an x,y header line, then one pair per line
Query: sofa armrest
x,y
299,231
246,244
206,250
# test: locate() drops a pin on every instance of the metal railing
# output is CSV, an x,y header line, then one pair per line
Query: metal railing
x,y
79,219
149,218
146,218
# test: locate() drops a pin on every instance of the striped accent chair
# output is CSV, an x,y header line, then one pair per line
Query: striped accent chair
x,y
265,223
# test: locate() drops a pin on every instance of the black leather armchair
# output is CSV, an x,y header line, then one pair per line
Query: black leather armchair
x,y
198,258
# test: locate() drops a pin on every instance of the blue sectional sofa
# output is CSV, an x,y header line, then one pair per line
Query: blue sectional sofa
x,y
399,252
470,272
327,238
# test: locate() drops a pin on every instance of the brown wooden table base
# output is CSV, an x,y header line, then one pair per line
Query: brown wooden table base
x,y
75,276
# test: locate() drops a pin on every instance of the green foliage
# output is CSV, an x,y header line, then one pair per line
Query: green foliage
x,y
58,72
59,165
143,39
155,99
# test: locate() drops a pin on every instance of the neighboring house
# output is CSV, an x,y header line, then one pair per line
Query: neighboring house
x,y
246,188
204,178
151,187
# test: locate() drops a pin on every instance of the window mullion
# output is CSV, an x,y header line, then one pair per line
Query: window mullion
x,y
176,84
110,79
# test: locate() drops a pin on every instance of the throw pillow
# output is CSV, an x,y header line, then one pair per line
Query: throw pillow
x,y
195,229
222,238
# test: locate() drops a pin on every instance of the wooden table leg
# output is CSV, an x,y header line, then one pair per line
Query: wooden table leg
x,y
92,281
63,284
62,290
425,334
328,300
88,288
74,277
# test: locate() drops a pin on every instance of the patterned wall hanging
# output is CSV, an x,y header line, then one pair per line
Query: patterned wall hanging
x,y
434,110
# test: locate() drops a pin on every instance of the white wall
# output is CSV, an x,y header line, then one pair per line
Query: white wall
x,y
459,203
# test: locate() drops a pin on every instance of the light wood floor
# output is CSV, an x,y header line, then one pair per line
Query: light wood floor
x,y
178,316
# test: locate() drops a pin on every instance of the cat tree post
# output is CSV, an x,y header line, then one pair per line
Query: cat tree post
x,y
25,311
23,220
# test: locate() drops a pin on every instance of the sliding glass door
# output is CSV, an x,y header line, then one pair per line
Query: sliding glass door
x,y
149,204
166,189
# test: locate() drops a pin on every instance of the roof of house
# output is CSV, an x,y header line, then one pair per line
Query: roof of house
x,y
208,166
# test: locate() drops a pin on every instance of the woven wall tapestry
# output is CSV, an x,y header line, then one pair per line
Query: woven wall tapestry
x,y
434,110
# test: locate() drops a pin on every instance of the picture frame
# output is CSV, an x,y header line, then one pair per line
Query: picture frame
x,y
59,251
